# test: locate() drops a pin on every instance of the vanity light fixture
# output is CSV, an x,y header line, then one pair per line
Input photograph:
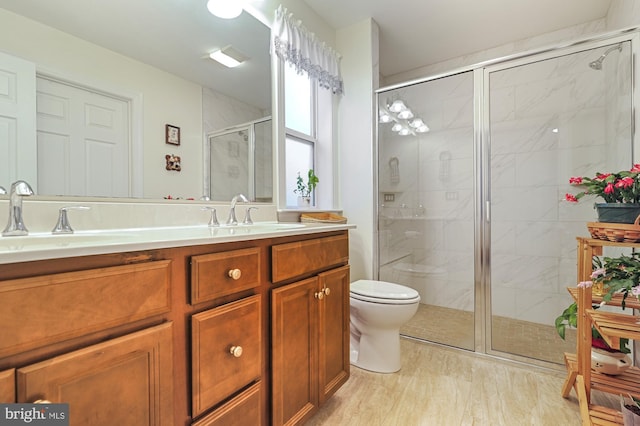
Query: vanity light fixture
x,y
228,56
225,9
402,118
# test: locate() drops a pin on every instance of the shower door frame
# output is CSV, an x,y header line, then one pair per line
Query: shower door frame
x,y
481,161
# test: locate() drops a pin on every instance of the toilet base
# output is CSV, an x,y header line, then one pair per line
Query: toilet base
x,y
380,354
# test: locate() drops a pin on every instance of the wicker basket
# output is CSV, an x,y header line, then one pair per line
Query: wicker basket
x,y
619,232
322,218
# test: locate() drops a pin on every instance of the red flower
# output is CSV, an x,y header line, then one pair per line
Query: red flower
x,y
575,180
602,176
609,189
635,168
625,182
571,198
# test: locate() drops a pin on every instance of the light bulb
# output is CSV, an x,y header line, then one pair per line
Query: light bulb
x,y
422,129
396,127
416,123
384,117
404,131
225,9
397,106
405,115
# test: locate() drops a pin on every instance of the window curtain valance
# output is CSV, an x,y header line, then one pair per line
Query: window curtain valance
x,y
293,43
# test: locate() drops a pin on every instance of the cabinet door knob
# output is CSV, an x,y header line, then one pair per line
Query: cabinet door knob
x,y
236,351
235,273
326,291
42,401
319,295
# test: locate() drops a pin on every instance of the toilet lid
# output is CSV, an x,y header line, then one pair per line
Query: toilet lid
x,y
371,289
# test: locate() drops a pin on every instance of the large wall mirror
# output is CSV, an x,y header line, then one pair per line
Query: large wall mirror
x,y
150,54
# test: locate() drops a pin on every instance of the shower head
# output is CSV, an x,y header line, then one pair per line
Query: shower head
x,y
597,64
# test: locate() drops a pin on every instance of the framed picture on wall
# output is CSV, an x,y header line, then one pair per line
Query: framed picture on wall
x,y
172,134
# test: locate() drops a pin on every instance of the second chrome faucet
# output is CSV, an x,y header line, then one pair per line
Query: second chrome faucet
x,y
232,211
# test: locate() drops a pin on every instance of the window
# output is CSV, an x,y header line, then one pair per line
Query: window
x,y
300,123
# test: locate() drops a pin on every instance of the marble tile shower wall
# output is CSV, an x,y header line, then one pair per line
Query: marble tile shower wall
x,y
430,225
533,257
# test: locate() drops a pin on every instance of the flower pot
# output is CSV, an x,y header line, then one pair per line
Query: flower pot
x,y
617,212
304,202
609,362
630,412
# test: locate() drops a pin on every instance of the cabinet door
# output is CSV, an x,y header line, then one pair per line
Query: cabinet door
x,y
124,381
333,331
8,386
294,322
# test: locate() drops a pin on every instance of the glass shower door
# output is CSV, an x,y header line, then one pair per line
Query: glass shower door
x,y
426,203
549,120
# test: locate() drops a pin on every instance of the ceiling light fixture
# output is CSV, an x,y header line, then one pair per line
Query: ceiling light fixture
x,y
225,9
228,56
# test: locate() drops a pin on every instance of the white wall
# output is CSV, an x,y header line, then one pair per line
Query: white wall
x,y
167,99
623,13
358,45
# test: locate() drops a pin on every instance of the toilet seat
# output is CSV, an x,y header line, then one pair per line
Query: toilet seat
x,y
383,292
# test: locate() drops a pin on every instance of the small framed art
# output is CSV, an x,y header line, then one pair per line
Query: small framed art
x,y
172,134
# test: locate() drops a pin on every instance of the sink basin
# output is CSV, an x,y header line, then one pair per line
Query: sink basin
x,y
86,240
34,241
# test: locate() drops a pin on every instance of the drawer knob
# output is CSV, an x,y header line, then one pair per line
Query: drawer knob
x,y
326,291
235,274
236,351
320,295
42,401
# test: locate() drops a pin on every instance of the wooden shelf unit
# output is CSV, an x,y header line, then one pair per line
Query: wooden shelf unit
x,y
612,327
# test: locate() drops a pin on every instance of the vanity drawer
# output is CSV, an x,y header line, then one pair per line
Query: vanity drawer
x,y
302,258
243,410
226,351
42,310
220,274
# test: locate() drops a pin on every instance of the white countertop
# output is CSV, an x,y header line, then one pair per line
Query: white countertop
x,y
40,246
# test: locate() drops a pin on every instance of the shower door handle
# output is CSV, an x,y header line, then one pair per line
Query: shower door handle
x,y
487,209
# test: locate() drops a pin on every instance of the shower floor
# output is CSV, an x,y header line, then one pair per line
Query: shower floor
x,y
455,327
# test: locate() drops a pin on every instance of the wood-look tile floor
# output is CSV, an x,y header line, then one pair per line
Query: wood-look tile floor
x,y
449,387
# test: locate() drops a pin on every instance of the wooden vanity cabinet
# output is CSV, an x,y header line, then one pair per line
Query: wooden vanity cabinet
x,y
310,327
235,333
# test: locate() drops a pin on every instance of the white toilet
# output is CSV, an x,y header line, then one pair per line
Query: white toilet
x,y
378,310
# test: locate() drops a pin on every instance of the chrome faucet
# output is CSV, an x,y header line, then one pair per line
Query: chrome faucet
x,y
63,226
232,212
247,216
2,190
15,226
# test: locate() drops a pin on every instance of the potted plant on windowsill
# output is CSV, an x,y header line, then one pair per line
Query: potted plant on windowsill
x,y
304,190
620,192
